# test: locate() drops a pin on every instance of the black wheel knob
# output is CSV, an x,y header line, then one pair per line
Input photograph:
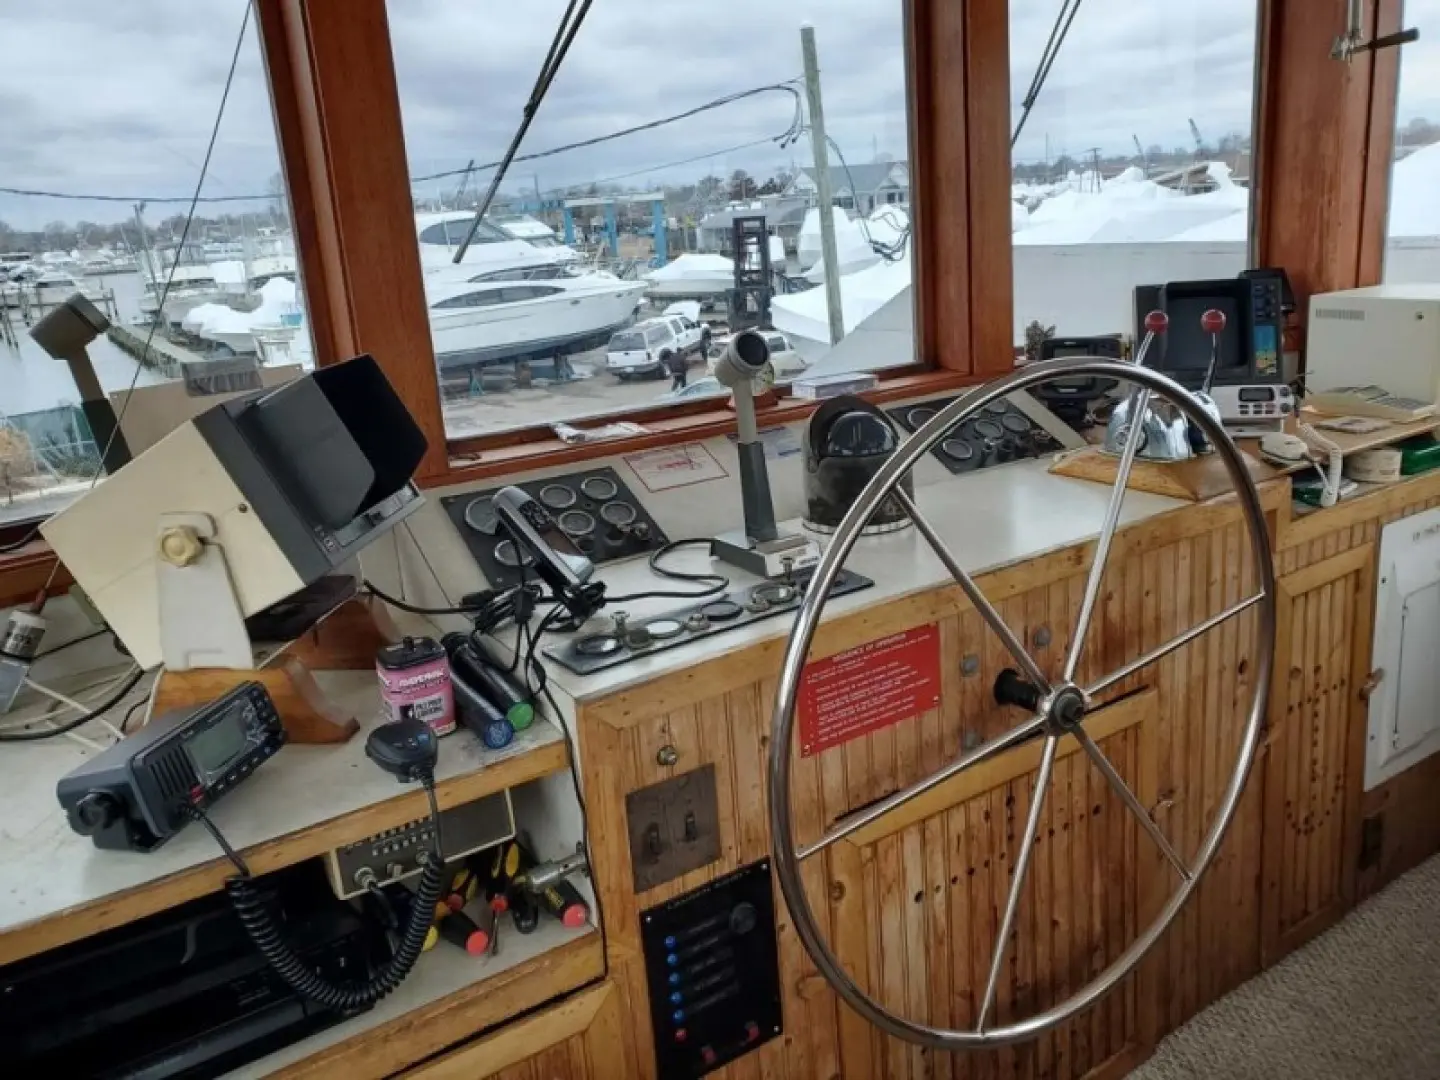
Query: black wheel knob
x,y
743,918
95,812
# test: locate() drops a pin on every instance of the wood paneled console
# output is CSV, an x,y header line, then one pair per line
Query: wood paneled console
x,y
910,905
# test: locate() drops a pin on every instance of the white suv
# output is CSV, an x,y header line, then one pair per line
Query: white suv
x,y
646,347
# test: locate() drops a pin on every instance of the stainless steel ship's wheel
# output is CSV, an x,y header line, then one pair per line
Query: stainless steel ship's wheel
x,y
1059,706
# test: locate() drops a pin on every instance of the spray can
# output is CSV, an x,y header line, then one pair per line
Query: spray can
x,y
415,683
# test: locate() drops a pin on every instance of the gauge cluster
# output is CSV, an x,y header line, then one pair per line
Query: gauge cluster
x,y
1000,433
594,508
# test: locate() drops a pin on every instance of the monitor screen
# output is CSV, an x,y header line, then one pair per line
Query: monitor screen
x,y
1187,345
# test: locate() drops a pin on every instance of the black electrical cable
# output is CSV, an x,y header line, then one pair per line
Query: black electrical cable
x,y
584,820
125,720
70,725
889,252
721,582
72,642
415,609
264,932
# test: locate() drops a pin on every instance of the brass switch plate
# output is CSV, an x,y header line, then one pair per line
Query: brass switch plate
x,y
674,827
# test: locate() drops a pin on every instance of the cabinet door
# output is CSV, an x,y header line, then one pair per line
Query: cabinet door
x,y
1315,749
1416,717
578,1039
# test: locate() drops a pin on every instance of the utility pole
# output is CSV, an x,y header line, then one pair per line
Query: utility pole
x,y
821,149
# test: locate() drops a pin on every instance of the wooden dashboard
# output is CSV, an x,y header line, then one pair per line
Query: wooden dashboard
x,y
910,904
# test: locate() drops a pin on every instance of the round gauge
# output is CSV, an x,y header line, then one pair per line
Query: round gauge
x,y
664,629
721,610
957,449
557,497
507,555
599,487
774,592
598,645
480,515
988,429
997,408
577,523
618,513
919,415
1016,423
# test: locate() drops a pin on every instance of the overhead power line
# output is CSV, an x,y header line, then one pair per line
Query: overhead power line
x,y
788,87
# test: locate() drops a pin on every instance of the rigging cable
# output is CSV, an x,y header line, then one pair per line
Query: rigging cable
x,y
1068,11
570,24
164,295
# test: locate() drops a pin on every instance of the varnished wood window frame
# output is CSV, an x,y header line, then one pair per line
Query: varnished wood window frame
x,y
343,151
337,113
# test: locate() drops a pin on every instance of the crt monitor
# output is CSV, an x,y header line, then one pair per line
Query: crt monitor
x,y
1248,346
296,480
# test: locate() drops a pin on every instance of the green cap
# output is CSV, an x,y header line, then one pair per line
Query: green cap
x,y
521,715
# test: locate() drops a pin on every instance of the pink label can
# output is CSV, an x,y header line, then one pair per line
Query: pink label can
x,y
415,683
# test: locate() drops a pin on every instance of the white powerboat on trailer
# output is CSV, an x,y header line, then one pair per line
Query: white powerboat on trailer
x,y
440,235
479,323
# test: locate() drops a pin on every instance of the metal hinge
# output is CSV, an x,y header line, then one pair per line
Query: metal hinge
x,y
1372,841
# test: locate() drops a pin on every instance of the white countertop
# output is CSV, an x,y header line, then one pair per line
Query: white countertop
x,y
990,519
47,869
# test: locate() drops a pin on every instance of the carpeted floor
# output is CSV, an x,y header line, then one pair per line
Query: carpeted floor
x,y
1360,1002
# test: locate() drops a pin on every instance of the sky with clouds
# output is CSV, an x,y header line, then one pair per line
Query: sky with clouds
x,y
118,98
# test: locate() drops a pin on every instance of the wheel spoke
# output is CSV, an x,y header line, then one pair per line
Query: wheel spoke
x,y
998,745
1139,404
1170,646
1022,866
972,591
1118,785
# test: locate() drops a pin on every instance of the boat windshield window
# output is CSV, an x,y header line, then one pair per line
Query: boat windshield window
x,y
452,233
1412,252
1111,190
485,298
586,201
152,108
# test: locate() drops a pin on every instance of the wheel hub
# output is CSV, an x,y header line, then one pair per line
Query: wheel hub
x,y
1064,712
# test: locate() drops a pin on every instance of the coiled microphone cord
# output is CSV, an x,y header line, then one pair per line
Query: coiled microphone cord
x,y
262,929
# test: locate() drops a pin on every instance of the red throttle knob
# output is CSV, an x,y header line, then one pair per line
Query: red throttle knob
x,y
1213,321
1157,322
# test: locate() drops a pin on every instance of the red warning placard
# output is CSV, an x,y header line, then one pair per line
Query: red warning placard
x,y
870,687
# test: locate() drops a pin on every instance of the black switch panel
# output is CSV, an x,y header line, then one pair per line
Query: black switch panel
x,y
714,972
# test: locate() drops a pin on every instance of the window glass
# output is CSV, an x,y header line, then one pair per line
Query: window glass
x,y
106,119
1132,166
1412,251
583,202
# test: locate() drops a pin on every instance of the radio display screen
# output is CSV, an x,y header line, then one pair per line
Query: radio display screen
x,y
213,749
1256,393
